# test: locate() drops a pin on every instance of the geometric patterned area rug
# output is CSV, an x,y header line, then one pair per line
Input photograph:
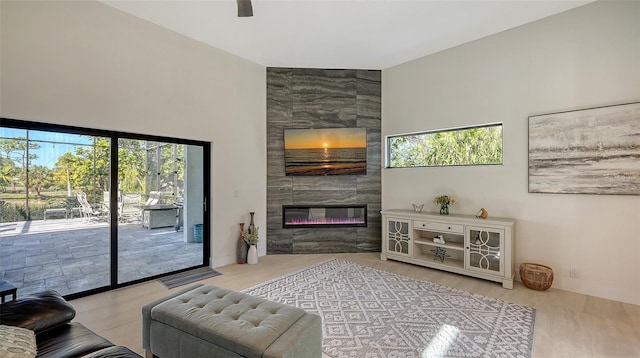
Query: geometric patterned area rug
x,y
373,313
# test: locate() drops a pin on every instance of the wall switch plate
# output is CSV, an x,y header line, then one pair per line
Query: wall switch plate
x,y
574,273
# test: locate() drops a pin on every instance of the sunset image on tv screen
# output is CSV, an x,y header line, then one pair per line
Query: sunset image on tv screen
x,y
326,151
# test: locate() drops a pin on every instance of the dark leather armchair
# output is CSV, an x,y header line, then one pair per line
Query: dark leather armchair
x,y
49,316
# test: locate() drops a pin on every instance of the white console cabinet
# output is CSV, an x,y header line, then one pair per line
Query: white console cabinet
x,y
482,248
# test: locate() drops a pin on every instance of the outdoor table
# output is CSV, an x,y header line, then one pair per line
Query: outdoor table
x,y
56,211
160,215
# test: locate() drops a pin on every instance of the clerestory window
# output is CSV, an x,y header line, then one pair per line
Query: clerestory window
x,y
478,145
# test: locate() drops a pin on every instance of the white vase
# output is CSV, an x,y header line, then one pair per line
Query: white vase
x,y
252,256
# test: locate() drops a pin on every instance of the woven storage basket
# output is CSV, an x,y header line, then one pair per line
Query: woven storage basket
x,y
536,276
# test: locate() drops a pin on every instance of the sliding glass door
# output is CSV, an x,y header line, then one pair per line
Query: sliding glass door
x,y
55,231
155,179
84,210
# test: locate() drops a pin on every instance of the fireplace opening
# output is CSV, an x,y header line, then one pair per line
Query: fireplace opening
x,y
295,216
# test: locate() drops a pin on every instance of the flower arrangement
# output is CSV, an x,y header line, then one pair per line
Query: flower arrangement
x,y
251,238
444,200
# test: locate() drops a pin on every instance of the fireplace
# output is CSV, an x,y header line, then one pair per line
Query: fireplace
x,y
295,216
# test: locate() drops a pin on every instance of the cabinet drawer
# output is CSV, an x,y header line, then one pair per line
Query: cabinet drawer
x,y
441,227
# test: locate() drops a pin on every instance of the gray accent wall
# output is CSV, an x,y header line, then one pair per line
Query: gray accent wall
x,y
322,98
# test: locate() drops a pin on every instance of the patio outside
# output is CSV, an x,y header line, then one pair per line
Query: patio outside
x,y
56,203
72,255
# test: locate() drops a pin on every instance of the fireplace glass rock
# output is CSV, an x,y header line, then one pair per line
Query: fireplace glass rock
x,y
295,216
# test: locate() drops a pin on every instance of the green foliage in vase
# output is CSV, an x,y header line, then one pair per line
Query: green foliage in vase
x,y
251,238
444,200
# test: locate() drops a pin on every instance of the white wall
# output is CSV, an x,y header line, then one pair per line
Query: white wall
x,y
86,64
582,58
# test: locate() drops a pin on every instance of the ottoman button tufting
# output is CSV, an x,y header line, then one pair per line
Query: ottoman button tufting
x,y
240,324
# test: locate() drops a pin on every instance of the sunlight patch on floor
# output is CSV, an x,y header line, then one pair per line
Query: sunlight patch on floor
x,y
441,342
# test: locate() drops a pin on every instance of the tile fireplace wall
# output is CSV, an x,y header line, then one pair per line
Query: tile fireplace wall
x,y
319,98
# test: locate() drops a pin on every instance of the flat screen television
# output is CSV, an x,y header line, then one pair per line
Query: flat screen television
x,y
325,151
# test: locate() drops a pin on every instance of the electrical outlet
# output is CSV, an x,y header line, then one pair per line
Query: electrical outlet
x,y
574,273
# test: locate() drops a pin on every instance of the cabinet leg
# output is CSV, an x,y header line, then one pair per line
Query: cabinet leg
x,y
508,284
383,257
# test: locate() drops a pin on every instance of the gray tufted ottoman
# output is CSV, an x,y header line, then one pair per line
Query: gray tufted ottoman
x,y
209,321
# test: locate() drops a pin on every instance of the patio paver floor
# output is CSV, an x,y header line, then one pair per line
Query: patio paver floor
x,y
72,255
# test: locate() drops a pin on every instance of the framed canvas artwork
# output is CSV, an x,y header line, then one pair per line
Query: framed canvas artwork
x,y
588,151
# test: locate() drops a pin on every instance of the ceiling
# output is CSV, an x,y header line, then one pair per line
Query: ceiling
x,y
340,33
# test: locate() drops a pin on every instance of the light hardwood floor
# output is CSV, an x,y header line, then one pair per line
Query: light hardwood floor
x,y
567,324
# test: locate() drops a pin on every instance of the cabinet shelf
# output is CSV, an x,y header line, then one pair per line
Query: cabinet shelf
x,y
448,245
429,259
408,237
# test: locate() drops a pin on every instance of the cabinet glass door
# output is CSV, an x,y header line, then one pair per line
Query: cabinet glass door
x,y
398,237
484,250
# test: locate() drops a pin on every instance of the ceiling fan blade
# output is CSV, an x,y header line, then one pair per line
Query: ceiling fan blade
x,y
244,8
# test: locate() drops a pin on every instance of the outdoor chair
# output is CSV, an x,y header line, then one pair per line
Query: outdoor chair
x,y
106,200
129,207
88,212
154,198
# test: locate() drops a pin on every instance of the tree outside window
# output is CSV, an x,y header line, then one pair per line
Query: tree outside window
x,y
480,145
